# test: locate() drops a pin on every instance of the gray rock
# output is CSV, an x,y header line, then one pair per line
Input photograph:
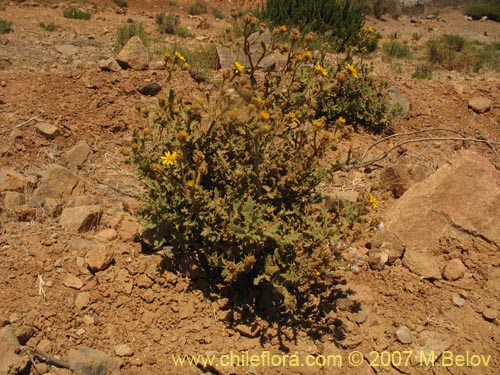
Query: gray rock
x,y
361,317
58,182
150,89
92,362
49,131
454,270
479,104
458,301
77,155
81,218
109,65
134,55
398,99
404,335
11,363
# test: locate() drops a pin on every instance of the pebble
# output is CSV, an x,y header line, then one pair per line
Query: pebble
x,y
404,335
361,317
454,270
458,301
123,350
490,314
71,281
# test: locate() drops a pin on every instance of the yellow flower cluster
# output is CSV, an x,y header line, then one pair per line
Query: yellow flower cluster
x,y
264,115
319,69
238,68
372,200
319,123
351,70
169,158
177,55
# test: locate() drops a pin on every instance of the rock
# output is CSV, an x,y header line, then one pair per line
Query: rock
x,y
49,131
134,55
458,301
12,200
67,50
490,314
132,204
361,317
401,176
71,281
480,104
128,87
398,99
59,182
454,270
123,282
335,200
108,234
51,207
92,362
186,310
483,19
11,362
81,218
434,344
123,350
109,65
157,65
13,181
493,283
448,204
404,335
77,155
150,89
144,282
45,345
248,331
459,89
99,258
82,300
24,333
129,228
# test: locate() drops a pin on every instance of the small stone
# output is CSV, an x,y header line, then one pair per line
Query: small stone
x,y
81,218
454,270
123,350
71,281
108,234
490,314
458,301
99,258
361,317
12,200
134,55
128,87
89,361
480,104
459,89
58,182
45,345
88,320
109,65
186,310
82,300
248,331
404,335
150,89
132,204
77,155
67,50
144,282
49,131
51,207
398,99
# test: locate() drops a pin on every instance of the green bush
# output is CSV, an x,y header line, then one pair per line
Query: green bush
x,y
76,14
422,71
167,23
219,14
488,8
342,19
197,8
232,179
50,26
121,3
184,32
127,31
5,26
450,51
396,50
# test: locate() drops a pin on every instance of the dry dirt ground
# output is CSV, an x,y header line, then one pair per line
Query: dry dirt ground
x,y
158,313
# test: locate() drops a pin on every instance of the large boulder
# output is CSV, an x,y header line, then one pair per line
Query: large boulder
x,y
459,202
134,55
12,361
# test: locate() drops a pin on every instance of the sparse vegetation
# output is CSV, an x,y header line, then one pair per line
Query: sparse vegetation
x,y
219,14
76,14
422,71
197,8
167,23
5,26
397,50
488,8
127,31
121,3
183,32
416,36
48,26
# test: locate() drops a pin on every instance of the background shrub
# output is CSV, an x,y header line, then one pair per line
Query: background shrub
x,y
396,49
121,3
167,23
342,19
49,26
5,26
197,8
127,31
488,8
76,14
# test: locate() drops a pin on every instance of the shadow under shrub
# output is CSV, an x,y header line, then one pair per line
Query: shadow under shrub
x,y
232,178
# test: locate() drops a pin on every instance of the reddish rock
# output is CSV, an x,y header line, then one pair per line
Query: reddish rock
x,y
479,104
99,258
454,270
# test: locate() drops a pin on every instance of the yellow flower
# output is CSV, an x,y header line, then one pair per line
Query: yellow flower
x,y
351,70
239,69
320,69
190,184
341,121
177,55
370,29
372,200
292,115
265,115
186,66
169,158
300,57
258,100
309,55
167,55
319,123
316,272
182,134
283,28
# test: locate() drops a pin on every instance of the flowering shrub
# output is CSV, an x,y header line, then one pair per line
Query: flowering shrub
x,y
232,178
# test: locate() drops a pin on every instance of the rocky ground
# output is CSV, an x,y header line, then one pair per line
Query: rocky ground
x,y
425,279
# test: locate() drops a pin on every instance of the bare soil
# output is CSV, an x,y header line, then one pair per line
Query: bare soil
x,y
159,313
